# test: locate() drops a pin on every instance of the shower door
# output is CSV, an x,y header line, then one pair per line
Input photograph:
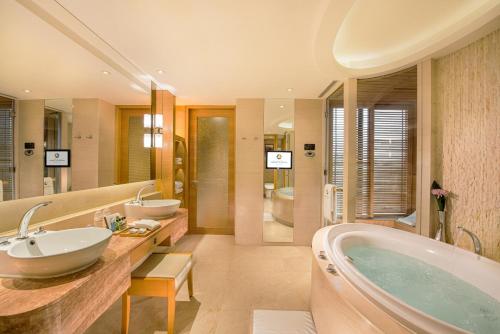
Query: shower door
x,y
211,170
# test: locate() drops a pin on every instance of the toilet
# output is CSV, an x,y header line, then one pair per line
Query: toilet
x,y
268,189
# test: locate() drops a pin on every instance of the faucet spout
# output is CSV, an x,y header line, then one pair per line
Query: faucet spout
x,y
477,243
138,198
22,232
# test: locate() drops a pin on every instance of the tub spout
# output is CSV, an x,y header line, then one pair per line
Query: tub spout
x,y
477,243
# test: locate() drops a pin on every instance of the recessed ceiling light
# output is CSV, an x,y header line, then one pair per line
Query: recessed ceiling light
x,y
282,107
159,71
290,89
27,91
106,72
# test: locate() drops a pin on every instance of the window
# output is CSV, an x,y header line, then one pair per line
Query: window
x,y
386,142
6,149
383,162
335,116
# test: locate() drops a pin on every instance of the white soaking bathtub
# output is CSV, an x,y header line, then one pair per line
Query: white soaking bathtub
x,y
385,280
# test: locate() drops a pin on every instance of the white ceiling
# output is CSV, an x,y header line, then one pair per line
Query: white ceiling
x,y
37,57
371,37
211,52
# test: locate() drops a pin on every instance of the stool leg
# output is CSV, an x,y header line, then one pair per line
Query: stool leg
x,y
170,308
190,283
125,312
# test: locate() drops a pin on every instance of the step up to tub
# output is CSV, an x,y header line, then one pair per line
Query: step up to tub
x,y
282,322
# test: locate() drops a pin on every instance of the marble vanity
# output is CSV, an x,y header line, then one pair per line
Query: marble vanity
x,y
70,304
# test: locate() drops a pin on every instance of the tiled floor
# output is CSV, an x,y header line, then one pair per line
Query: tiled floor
x,y
229,282
272,230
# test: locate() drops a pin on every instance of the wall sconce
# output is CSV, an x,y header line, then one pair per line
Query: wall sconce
x,y
147,121
158,121
155,137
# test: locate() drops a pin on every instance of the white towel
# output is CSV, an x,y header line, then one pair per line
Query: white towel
x,y
330,204
48,186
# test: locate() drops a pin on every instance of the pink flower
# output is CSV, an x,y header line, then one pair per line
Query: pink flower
x,y
439,192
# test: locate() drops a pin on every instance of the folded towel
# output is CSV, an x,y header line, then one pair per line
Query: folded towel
x,y
409,220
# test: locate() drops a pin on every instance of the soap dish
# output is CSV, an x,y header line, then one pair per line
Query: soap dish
x,y
127,233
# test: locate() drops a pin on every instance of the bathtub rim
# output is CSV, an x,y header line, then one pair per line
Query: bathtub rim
x,y
411,317
403,312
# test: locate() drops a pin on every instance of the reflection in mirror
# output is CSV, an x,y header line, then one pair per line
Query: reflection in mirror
x,y
7,177
59,145
278,183
135,140
58,124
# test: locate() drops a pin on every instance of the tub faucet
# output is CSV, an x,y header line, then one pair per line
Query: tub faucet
x,y
138,198
22,232
475,239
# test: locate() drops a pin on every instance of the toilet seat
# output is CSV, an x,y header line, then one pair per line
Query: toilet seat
x,y
269,186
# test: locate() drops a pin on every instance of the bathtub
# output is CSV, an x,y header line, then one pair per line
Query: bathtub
x,y
375,279
283,205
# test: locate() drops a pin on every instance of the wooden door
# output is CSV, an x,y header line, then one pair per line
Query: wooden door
x,y
211,170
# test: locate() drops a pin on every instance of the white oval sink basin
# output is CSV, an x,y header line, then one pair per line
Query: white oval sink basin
x,y
59,253
152,209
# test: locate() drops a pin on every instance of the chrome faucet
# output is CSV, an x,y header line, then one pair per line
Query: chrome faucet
x,y
138,198
22,231
477,243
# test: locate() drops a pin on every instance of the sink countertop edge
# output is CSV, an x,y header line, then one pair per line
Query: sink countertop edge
x,y
18,296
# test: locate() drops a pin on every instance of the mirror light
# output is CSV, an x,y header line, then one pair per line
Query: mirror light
x,y
147,121
158,121
147,140
158,140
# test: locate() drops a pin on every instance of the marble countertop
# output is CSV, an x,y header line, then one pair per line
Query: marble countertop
x,y
25,296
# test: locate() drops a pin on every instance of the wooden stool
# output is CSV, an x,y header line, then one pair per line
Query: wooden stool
x,y
161,275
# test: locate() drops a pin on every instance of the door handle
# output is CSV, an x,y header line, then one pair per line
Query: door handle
x,y
194,181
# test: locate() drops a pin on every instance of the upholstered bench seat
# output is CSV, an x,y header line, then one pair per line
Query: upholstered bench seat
x,y
161,275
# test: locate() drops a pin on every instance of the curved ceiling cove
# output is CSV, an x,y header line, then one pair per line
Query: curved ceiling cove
x,y
370,37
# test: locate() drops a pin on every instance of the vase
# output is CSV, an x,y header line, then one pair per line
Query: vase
x,y
441,232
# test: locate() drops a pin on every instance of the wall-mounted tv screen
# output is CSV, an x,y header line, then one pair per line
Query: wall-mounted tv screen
x,y
57,158
279,160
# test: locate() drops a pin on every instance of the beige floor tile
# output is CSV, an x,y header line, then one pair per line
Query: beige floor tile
x,y
229,282
234,322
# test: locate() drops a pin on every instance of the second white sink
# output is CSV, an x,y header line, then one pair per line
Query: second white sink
x,y
152,209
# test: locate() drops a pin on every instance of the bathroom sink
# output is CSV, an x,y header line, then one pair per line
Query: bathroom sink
x,y
152,209
59,253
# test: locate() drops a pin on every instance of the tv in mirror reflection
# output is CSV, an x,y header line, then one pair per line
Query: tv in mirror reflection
x,y
279,159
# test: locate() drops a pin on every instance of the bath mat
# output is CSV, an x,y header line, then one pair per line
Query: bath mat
x,y
282,322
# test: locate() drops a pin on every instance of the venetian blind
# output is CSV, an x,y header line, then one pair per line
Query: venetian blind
x,y
382,162
390,167
6,149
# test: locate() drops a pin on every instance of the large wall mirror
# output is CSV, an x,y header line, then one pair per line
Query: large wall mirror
x,y
60,145
278,183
